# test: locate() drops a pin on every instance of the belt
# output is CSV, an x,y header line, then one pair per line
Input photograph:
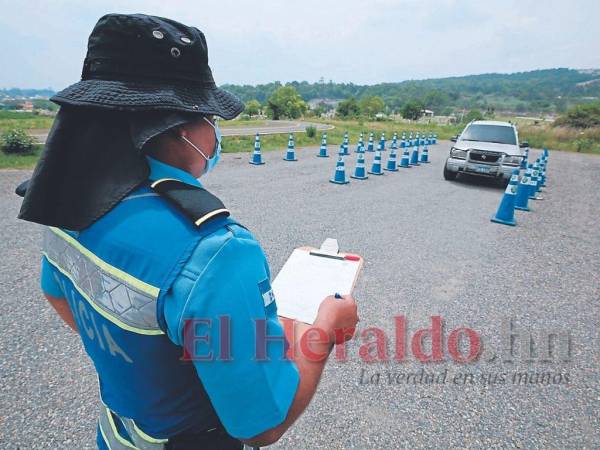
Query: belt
x,y
215,438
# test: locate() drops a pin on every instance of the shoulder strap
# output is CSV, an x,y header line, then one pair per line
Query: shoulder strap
x,y
194,202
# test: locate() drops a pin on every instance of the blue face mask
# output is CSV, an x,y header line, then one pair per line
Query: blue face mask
x,y
210,162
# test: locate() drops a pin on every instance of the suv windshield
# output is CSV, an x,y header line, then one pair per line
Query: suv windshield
x,y
489,133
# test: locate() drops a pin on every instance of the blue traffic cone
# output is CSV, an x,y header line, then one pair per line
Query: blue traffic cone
x,y
256,156
395,140
370,143
410,139
361,144
417,139
339,176
522,199
382,142
414,157
376,167
323,150
525,157
359,170
345,144
392,164
291,154
405,160
430,139
506,210
533,184
543,169
434,138
341,151
425,154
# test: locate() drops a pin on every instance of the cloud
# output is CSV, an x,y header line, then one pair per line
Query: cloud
x,y
43,43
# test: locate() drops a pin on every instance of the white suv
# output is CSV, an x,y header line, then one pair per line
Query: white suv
x,y
486,148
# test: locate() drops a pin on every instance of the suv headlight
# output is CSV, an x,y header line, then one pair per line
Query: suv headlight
x,y
512,160
458,154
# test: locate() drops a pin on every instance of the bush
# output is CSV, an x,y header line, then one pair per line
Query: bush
x,y
583,145
311,131
586,115
17,141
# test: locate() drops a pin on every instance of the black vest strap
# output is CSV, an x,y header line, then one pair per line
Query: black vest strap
x,y
195,202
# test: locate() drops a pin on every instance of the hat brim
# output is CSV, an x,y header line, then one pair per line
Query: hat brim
x,y
151,95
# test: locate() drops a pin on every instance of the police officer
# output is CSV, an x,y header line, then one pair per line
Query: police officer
x,y
170,295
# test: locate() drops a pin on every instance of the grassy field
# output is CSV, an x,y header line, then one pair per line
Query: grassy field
x,y
20,161
538,135
28,121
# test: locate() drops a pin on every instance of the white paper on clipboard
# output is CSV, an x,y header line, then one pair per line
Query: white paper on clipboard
x,y
305,280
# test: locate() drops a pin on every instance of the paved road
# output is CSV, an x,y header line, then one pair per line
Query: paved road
x,y
430,249
270,127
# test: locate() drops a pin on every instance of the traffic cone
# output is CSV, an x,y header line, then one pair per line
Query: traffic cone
x,y
405,161
339,177
543,168
376,167
522,199
360,147
410,139
430,139
506,210
291,154
256,156
434,138
417,139
323,150
392,164
370,143
533,184
359,170
395,141
345,145
382,142
414,157
525,157
425,154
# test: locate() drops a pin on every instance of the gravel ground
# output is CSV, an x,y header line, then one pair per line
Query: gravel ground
x,y
430,249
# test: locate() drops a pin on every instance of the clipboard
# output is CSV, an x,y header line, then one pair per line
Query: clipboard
x,y
309,275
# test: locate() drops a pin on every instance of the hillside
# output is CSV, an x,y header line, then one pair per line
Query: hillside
x,y
538,91
551,90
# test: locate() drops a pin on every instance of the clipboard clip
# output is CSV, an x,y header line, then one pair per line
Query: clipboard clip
x,y
329,249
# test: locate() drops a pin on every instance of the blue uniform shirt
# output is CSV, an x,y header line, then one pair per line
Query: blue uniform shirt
x,y
224,290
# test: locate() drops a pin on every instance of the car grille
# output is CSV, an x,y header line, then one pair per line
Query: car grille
x,y
482,156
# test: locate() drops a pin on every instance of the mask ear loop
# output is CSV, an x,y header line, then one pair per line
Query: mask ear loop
x,y
195,148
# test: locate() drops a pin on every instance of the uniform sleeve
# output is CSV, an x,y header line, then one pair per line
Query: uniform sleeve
x,y
221,303
49,284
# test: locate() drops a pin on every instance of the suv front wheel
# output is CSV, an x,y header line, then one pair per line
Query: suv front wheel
x,y
448,174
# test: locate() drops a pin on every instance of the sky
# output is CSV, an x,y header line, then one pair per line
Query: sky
x,y
43,43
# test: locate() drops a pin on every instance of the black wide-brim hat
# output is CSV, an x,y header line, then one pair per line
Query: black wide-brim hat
x,y
137,62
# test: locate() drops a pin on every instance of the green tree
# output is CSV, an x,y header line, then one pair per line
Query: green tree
x,y
285,102
412,110
252,107
474,114
371,106
348,108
